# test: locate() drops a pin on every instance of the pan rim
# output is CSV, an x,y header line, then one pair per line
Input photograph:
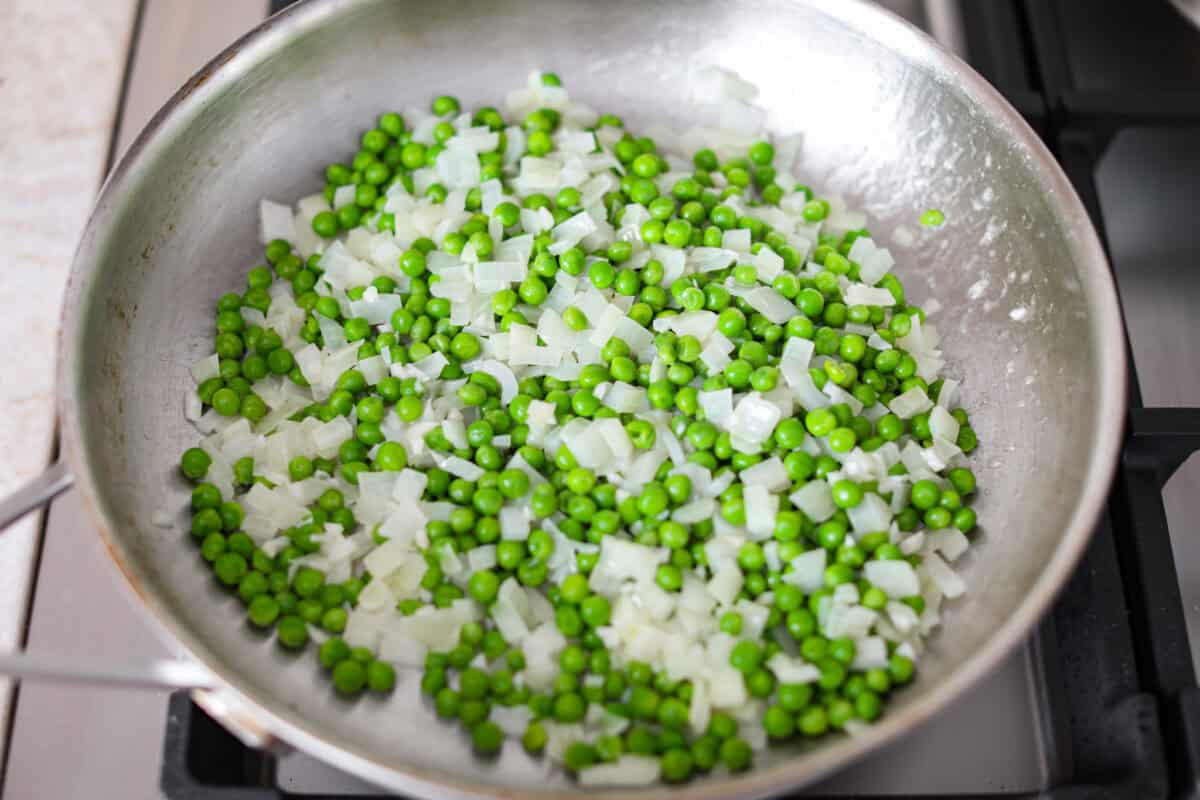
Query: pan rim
x,y
290,726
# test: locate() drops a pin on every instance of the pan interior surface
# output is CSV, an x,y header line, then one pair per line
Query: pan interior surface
x,y
1028,314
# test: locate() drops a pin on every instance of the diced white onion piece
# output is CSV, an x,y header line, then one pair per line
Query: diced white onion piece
x,y
627,770
897,579
860,466
457,165
571,231
275,221
903,618
511,611
252,316
815,499
771,304
798,351
930,618
500,273
911,403
770,474
514,523
949,393
950,542
626,399
717,406
859,294
538,174
941,454
431,366
454,430
501,372
710,259
437,629
792,670
947,581
387,558
437,510
622,560
482,557
754,618
410,484
727,688
719,483
912,544
604,324
808,570
364,628
378,309
803,388
512,720
644,467
700,324
912,458
653,600
590,447
696,511
329,437
852,621
206,368
715,354
575,141
768,264
761,508
942,424
699,709
737,239
839,395
640,340
873,261
754,419
534,222
870,652
872,515
615,438
373,369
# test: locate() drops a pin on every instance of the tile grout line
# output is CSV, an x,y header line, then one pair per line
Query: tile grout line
x,y
135,36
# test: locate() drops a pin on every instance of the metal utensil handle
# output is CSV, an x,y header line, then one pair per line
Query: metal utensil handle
x,y
156,674
36,493
160,673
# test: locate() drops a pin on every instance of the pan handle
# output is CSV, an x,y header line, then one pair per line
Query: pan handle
x,y
36,493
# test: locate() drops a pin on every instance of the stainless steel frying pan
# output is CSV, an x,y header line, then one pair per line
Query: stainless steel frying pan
x,y
1029,314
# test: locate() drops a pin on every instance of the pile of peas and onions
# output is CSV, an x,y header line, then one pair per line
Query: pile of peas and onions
x,y
582,504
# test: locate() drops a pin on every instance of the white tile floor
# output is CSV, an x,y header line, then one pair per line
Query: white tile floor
x,y
60,75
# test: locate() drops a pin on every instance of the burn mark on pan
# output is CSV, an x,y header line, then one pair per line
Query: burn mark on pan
x,y
208,71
